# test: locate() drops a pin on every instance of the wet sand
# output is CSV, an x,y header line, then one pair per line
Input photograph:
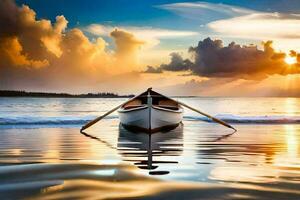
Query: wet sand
x,y
196,160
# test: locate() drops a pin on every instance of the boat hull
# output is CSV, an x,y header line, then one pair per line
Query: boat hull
x,y
150,119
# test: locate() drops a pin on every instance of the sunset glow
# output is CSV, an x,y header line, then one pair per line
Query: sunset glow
x,y
140,99
194,46
290,60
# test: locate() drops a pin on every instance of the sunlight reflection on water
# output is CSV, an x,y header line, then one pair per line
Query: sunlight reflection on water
x,y
193,161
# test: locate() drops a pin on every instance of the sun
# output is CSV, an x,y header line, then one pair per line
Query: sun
x,y
290,60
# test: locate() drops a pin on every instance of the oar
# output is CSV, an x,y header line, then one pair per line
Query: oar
x,y
202,113
207,115
102,116
98,119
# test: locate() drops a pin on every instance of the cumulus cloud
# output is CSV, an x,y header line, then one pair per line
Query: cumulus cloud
x,y
177,63
21,33
40,53
127,46
153,70
212,59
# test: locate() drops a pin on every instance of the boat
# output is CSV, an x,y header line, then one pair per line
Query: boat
x,y
150,112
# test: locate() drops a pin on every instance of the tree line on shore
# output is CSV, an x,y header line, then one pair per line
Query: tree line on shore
x,y
21,93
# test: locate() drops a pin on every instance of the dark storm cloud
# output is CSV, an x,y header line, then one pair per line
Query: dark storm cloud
x,y
212,59
177,63
153,70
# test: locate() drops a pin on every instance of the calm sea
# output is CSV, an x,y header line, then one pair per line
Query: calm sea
x,y
44,156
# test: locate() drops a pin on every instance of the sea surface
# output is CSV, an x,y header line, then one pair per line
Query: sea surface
x,y
44,156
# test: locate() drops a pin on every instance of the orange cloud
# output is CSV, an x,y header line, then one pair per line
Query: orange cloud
x,y
127,47
37,54
11,51
52,55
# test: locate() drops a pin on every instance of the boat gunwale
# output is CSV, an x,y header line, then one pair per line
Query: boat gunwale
x,y
122,110
180,110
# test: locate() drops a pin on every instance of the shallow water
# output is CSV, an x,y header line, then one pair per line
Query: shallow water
x,y
51,159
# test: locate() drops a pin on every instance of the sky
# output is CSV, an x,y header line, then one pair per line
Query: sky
x,y
199,48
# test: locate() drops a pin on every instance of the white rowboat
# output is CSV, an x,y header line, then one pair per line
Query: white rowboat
x,y
150,112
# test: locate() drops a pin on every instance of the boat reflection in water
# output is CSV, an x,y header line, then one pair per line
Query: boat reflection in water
x,y
151,151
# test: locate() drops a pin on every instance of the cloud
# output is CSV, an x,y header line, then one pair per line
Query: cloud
x,y
37,53
227,21
153,70
125,41
127,47
21,32
148,34
204,11
11,51
212,59
143,32
259,25
177,63
234,21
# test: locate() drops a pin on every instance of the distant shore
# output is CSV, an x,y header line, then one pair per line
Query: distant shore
x,y
14,93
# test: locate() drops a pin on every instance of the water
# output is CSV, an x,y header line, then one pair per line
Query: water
x,y
49,112
43,155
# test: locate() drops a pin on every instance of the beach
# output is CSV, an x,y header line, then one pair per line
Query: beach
x,y
44,156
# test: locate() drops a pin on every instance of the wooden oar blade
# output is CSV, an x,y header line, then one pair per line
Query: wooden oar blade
x,y
207,115
90,123
223,123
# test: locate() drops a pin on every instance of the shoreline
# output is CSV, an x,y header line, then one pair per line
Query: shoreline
x,y
15,93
